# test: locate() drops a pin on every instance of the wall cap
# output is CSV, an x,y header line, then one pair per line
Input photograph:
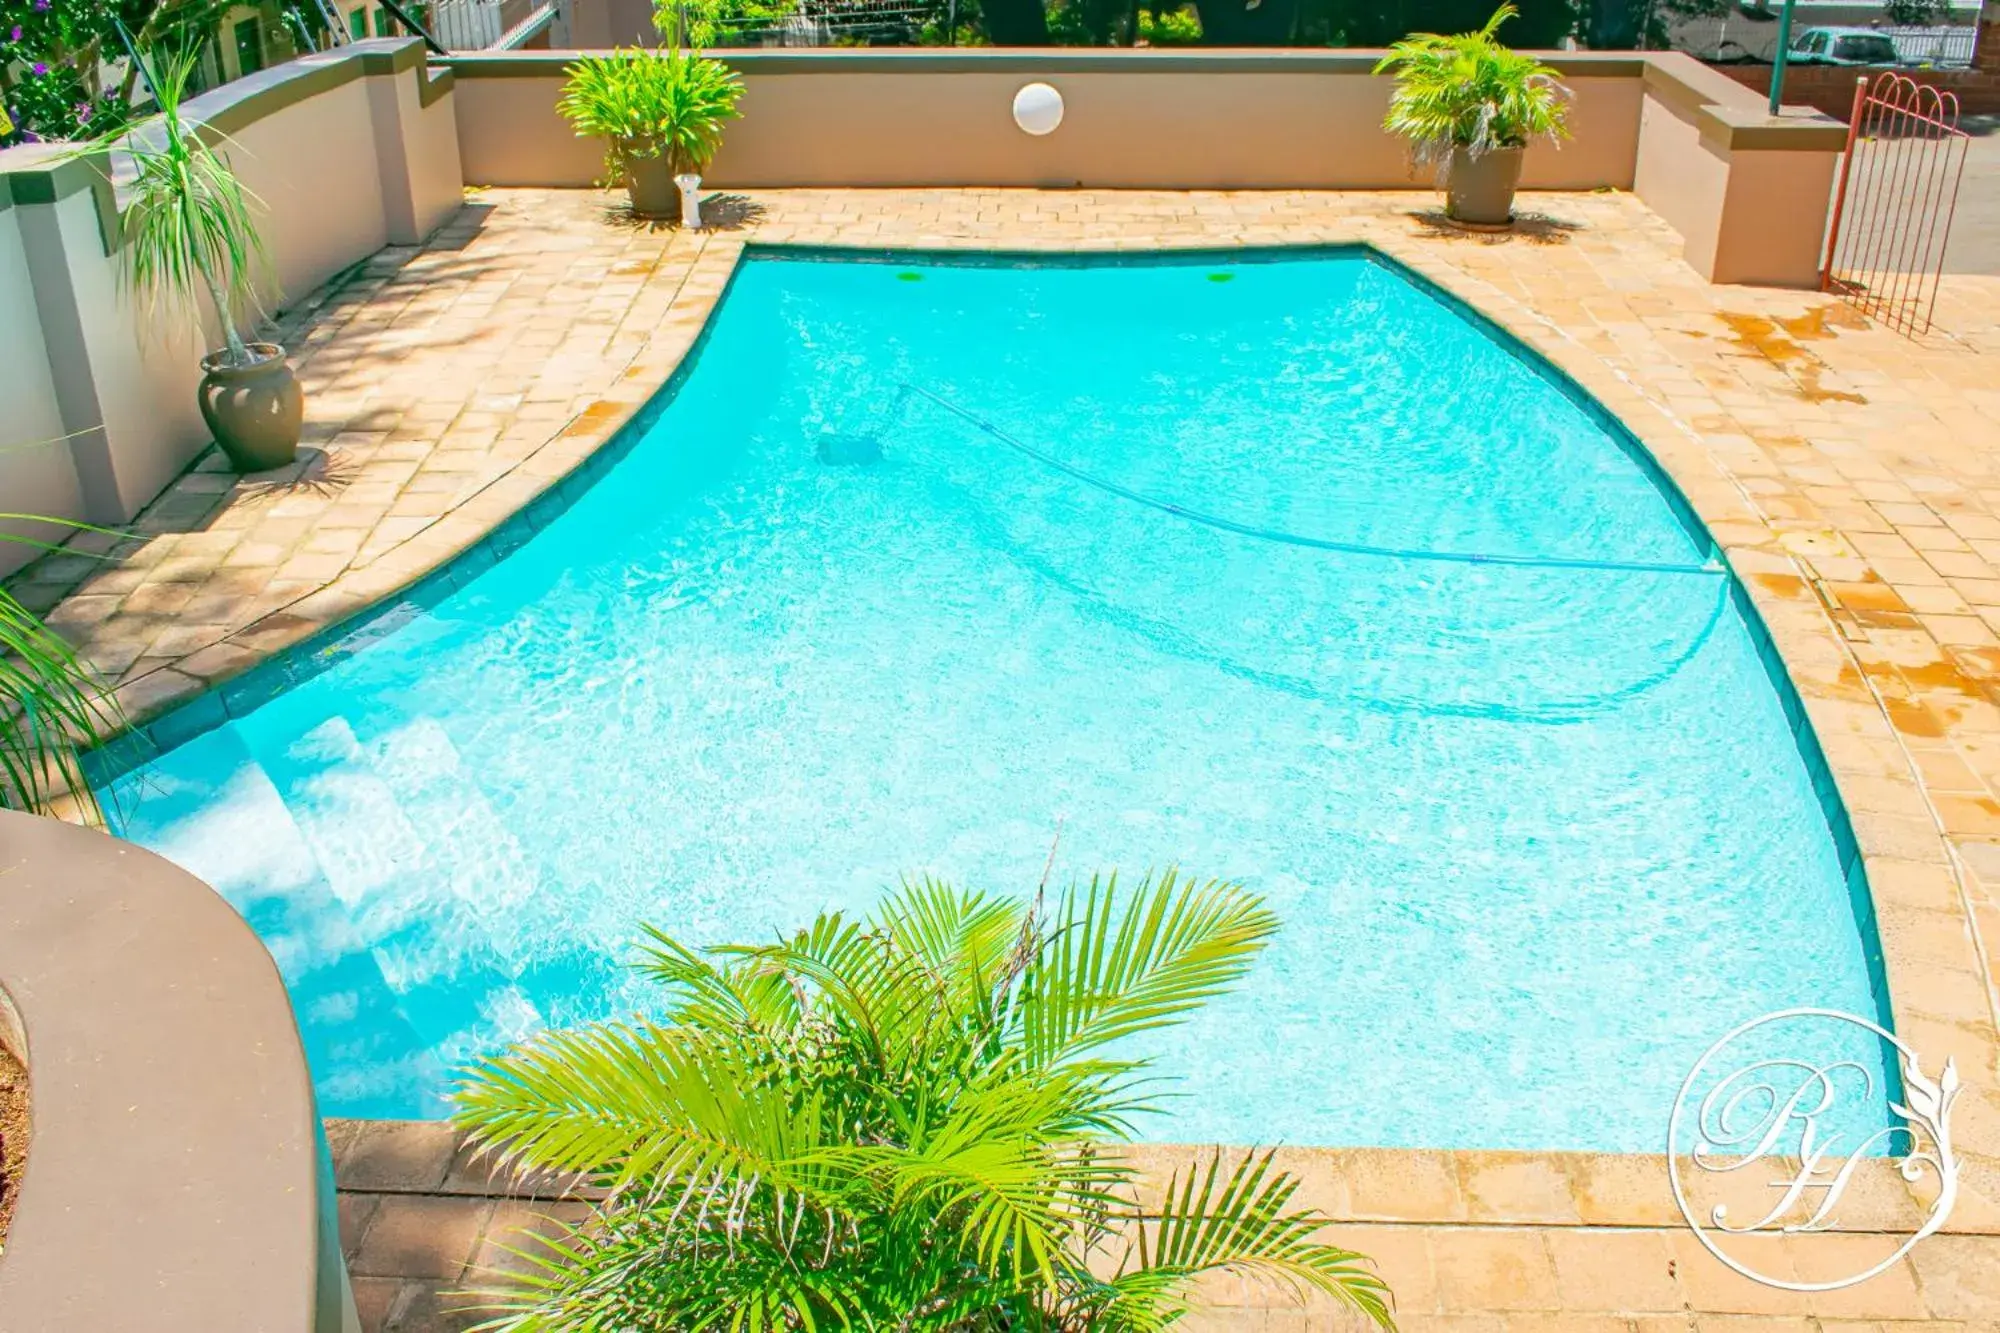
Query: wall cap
x,y
1055,61
174,1181
1795,129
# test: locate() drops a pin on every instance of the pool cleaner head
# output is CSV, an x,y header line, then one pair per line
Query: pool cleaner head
x,y
849,450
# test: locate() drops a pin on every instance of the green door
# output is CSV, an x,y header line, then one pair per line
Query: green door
x,y
249,46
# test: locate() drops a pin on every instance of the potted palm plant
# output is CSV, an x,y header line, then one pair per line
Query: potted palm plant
x,y
1472,106
660,114
910,1122
191,243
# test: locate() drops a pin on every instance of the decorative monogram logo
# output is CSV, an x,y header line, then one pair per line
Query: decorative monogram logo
x,y
1813,1123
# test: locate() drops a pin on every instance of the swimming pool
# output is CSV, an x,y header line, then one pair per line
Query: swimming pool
x,y
1280,567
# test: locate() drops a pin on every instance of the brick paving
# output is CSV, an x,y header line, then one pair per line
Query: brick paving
x,y
1974,244
424,1228
1849,473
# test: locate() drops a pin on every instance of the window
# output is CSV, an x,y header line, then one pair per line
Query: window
x,y
357,22
1865,50
249,46
385,25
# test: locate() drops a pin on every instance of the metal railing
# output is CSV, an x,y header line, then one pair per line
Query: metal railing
x,y
479,25
1893,201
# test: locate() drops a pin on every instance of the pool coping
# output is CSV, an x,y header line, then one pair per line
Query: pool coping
x,y
1940,1005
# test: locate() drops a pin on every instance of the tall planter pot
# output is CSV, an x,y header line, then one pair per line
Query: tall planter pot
x,y
1479,189
649,181
254,411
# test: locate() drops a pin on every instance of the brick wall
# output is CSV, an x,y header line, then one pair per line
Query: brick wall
x,y
1831,88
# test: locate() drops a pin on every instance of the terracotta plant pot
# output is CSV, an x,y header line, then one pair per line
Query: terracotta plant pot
x,y
253,411
650,183
1480,190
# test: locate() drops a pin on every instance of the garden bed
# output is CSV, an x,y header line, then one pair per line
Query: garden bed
x,y
13,1136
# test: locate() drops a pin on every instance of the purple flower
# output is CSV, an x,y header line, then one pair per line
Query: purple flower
x,y
82,110
41,6
15,36
40,69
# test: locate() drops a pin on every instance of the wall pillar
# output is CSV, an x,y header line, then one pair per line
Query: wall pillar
x,y
416,149
125,402
1748,191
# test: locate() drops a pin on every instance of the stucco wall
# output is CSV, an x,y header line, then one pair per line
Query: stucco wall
x,y
1679,177
313,165
1159,120
36,474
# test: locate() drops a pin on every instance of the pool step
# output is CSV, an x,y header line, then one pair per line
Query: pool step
x,y
214,809
428,875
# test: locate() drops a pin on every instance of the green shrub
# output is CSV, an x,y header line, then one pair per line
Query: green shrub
x,y
1471,92
1175,27
668,103
905,1124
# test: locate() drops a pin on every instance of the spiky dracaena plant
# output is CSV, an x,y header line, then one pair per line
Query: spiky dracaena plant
x,y
53,705
670,103
906,1123
1471,92
189,225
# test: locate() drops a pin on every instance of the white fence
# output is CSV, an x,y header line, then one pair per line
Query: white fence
x,y
481,25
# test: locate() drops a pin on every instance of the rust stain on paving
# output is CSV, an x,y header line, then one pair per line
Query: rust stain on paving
x,y
1777,340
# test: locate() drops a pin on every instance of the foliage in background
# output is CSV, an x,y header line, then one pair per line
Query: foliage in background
x,y
55,56
1173,27
53,705
1117,22
908,1123
190,227
671,103
706,23
1471,92
1914,13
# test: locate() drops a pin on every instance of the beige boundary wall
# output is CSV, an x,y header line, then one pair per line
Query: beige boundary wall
x,y
1747,191
348,151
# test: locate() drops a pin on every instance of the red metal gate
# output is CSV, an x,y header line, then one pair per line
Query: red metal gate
x,y
1893,203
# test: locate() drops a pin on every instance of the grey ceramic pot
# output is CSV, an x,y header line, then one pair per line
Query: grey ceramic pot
x,y
254,411
650,183
1480,190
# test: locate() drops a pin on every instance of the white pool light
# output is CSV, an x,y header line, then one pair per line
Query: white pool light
x,y
1038,108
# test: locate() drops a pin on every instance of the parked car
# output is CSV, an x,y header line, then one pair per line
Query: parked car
x,y
1844,46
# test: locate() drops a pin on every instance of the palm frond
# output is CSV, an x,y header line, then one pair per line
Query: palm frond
x,y
52,708
189,224
1241,1222
1117,965
1469,91
635,1103
964,939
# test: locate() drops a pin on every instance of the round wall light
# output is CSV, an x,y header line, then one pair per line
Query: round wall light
x,y
1038,108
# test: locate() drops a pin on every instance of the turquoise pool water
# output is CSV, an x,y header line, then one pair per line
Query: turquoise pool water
x,y
1282,569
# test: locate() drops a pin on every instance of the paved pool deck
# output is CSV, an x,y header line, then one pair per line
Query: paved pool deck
x,y
1852,476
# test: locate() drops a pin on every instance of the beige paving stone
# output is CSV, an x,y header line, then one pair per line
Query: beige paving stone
x,y
1516,1187
1494,1268
1713,1288
1627,1272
